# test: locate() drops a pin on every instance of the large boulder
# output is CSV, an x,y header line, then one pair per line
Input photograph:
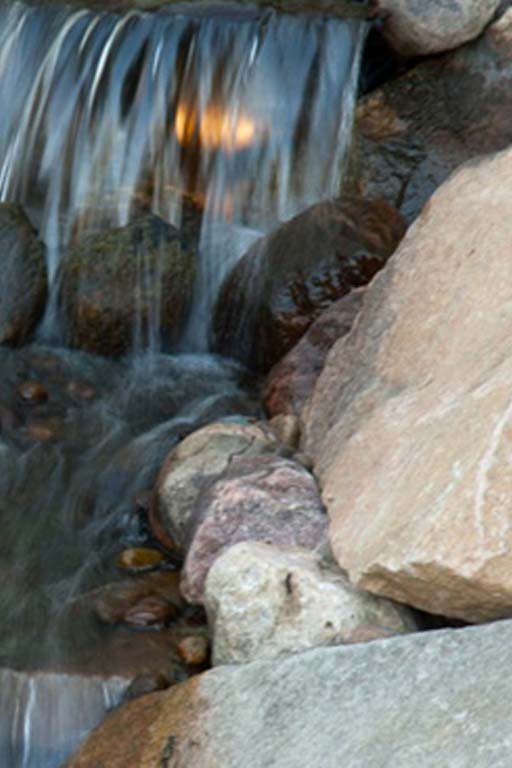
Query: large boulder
x,y
410,424
121,286
291,381
263,603
23,284
288,278
427,700
190,467
269,499
419,28
414,131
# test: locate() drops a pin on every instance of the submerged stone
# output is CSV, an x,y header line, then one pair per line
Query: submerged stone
x,y
23,285
289,277
123,286
32,392
139,559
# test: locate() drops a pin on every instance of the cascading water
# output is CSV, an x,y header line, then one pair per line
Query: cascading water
x,y
105,114
243,114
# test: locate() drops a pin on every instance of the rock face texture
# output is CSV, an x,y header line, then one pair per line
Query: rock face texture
x,y
194,464
127,284
410,424
419,28
418,128
263,603
428,700
289,277
290,382
267,499
23,283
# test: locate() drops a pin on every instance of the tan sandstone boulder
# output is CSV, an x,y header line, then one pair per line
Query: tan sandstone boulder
x,y
410,423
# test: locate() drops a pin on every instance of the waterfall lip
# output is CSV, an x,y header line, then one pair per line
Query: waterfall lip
x,y
363,10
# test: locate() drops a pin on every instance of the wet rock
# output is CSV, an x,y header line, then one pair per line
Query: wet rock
x,y
23,285
193,650
81,391
427,699
44,431
410,421
192,465
263,603
412,133
290,382
117,282
113,602
266,499
423,28
151,611
289,277
32,392
139,559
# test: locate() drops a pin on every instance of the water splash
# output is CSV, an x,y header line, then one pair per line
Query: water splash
x,y
105,115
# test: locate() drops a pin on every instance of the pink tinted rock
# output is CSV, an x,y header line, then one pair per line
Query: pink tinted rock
x,y
267,499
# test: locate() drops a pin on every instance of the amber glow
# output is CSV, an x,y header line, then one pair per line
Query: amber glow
x,y
215,128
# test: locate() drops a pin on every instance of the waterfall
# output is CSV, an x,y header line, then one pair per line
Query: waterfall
x,y
241,116
106,114
45,715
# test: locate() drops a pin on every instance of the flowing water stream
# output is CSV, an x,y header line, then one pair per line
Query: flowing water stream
x,y
105,116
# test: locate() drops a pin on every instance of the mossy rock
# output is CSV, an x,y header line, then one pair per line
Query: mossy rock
x,y
23,285
118,284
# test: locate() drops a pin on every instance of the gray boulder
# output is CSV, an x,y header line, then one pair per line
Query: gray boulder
x,y
425,700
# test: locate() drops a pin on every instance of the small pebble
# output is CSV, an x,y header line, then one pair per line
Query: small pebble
x,y
43,433
151,611
32,392
81,391
193,650
139,559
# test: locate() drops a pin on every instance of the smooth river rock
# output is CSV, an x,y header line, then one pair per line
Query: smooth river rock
x,y
425,700
269,499
410,424
264,603
192,465
424,27
287,278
